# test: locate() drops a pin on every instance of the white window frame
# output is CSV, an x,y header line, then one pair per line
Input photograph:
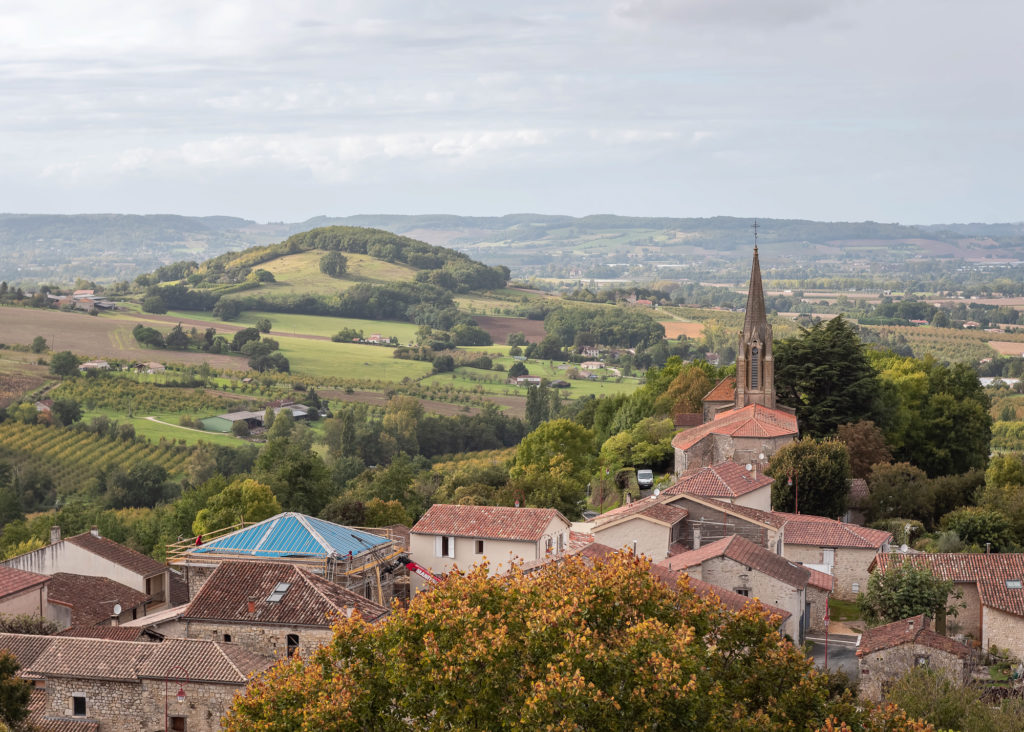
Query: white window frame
x,y
828,556
439,546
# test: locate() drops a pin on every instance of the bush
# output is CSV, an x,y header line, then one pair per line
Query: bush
x,y
154,304
240,429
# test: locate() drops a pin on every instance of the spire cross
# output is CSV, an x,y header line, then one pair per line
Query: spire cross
x,y
755,227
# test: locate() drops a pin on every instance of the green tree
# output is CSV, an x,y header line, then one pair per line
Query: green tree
x,y
385,513
66,411
38,344
865,443
900,490
569,647
825,374
144,484
263,325
560,438
63,364
931,695
240,428
242,337
812,476
538,405
15,692
979,526
296,474
154,304
334,264
243,500
905,590
517,369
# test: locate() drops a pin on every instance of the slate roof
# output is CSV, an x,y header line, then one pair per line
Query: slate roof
x,y
487,522
14,581
990,572
309,600
118,554
753,420
727,479
92,599
911,630
292,535
744,552
223,663
723,391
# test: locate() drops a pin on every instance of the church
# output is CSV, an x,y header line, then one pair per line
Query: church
x,y
741,421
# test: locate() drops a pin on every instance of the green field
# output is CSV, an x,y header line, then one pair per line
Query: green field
x,y
299,274
494,382
167,427
318,325
326,359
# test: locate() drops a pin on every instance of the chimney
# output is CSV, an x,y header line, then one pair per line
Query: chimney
x,y
95,531
348,611
696,537
252,603
910,622
54,534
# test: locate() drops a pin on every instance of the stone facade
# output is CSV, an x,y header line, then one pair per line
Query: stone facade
x,y
817,603
881,668
731,575
717,448
705,525
849,566
266,640
969,615
1004,630
205,703
116,705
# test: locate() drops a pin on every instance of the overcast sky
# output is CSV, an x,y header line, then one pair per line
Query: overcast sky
x,y
905,110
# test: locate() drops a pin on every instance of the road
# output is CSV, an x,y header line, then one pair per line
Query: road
x,y
841,653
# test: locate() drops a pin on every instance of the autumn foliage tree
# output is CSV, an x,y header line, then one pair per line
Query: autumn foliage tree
x,y
570,647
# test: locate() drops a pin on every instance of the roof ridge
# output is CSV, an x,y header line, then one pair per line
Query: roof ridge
x,y
228,658
308,577
302,519
266,532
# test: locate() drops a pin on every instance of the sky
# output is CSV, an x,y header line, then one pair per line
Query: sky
x,y
908,111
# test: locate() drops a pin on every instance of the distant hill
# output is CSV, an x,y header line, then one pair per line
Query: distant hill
x,y
105,247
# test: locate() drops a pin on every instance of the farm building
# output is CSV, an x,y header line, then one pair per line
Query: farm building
x,y
224,422
356,559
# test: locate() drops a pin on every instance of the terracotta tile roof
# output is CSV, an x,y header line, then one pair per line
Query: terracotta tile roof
x,y
769,518
92,658
118,554
487,522
665,513
25,648
626,510
309,599
829,533
92,599
728,479
38,720
222,663
821,580
996,575
911,630
753,420
743,552
729,599
723,391
13,581
107,632
179,590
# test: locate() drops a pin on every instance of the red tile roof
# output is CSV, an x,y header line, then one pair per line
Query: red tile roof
x,y
25,648
224,663
38,720
309,599
991,573
753,420
728,479
745,552
821,580
118,554
912,630
487,522
723,391
13,581
92,658
108,632
92,599
829,533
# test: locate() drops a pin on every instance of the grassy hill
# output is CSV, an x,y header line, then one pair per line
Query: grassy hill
x,y
299,274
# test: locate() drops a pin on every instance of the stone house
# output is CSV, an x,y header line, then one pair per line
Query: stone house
x,y
449,535
125,686
77,600
730,482
749,570
819,588
95,556
742,435
647,527
844,551
729,599
887,652
270,609
22,593
992,588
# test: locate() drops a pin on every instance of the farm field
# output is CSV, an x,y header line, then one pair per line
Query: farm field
x,y
290,324
676,328
378,399
325,359
299,274
494,383
163,426
499,328
1007,348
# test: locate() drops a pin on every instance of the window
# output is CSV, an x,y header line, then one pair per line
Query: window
x,y
828,556
856,588
293,644
754,367
547,545
444,546
227,637
1013,584
177,724
278,593
149,585
78,705
479,546
561,543
745,591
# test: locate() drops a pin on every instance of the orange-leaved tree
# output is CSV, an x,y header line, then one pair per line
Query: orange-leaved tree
x,y
569,647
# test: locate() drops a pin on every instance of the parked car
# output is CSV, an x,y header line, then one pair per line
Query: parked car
x,y
645,479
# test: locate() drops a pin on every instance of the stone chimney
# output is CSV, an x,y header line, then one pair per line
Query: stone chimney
x,y
54,534
95,531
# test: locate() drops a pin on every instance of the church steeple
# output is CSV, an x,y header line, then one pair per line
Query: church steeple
x,y
755,366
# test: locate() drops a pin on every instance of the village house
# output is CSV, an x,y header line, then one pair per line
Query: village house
x,y
125,686
747,569
728,481
94,366
271,609
887,652
22,593
647,527
454,535
78,600
92,555
992,588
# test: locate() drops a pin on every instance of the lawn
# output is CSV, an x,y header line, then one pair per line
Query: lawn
x,y
166,427
300,274
843,610
348,360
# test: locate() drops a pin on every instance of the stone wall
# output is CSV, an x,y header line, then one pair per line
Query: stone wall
x,y
266,640
817,598
204,704
1004,630
714,524
968,619
731,575
849,569
881,668
116,705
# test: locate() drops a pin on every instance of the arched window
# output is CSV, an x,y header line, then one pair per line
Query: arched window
x,y
755,363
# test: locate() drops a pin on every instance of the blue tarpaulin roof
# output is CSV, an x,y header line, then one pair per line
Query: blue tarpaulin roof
x,y
292,535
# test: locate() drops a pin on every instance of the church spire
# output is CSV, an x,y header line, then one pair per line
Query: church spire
x,y
755,366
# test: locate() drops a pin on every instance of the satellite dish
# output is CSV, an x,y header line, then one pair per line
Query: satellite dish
x,y
657,491
760,456
749,466
117,608
904,548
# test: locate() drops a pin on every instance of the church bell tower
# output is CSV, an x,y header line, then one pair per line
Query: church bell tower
x,y
755,366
